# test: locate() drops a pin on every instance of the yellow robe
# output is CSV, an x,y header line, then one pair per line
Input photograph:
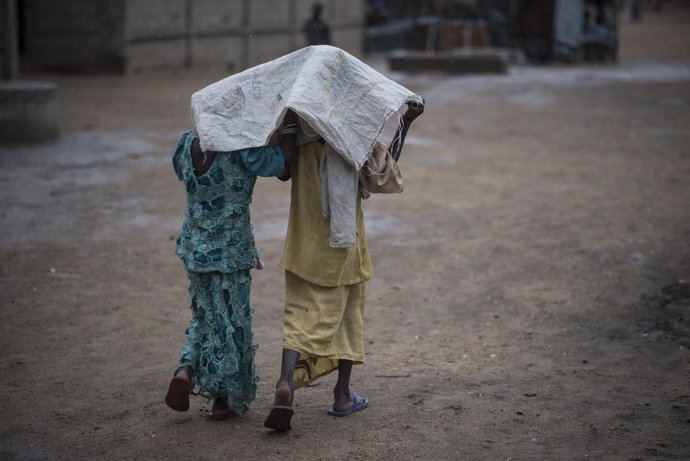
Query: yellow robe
x,y
325,289
306,252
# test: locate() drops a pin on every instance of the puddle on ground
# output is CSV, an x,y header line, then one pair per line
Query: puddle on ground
x,y
532,99
676,101
454,90
377,224
270,229
380,224
419,141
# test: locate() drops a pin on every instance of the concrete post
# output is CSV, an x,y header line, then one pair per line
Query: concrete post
x,y
189,34
10,60
28,110
246,37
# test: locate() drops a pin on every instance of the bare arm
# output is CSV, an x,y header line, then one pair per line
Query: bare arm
x,y
414,110
202,161
288,141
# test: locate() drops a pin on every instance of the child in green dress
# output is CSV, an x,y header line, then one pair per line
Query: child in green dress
x,y
217,248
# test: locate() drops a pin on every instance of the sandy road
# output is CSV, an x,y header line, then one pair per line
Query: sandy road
x,y
531,296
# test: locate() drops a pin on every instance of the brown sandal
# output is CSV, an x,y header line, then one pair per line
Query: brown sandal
x,y
220,410
280,416
178,394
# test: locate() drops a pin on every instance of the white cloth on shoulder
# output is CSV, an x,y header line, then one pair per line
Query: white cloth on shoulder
x,y
339,189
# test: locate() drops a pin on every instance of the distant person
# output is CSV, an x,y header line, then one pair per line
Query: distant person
x,y
217,248
315,30
636,10
658,6
598,41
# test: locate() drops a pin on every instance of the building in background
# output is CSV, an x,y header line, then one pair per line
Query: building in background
x,y
544,30
126,36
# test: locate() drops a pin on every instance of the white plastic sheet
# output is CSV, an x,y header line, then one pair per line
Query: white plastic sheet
x,y
343,99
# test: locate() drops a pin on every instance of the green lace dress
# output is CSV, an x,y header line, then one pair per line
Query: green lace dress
x,y
217,248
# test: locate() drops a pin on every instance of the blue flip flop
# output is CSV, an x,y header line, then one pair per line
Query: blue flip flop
x,y
358,403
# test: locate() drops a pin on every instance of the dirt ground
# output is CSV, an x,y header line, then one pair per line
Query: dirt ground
x,y
531,297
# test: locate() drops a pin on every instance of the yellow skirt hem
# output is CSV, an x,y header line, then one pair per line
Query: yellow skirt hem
x,y
302,351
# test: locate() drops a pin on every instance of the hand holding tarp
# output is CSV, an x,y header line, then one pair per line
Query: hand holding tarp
x,y
414,110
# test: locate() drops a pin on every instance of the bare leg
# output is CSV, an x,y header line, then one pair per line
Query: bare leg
x,y
341,393
285,387
185,373
281,413
346,402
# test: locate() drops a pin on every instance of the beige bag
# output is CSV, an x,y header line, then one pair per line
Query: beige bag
x,y
380,173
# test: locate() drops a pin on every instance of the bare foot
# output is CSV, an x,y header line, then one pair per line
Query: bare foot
x,y
184,373
283,396
341,405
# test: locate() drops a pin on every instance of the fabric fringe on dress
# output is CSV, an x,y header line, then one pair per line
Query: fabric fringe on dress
x,y
219,341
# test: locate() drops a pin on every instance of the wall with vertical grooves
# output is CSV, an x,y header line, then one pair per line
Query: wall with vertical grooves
x,y
133,35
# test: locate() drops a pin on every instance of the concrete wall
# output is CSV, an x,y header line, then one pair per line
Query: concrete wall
x,y
135,35
28,111
73,35
156,34
232,34
347,24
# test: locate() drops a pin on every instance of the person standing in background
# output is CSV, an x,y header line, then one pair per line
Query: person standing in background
x,y
315,30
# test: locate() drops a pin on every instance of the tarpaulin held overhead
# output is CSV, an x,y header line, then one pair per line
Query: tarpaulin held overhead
x,y
343,99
